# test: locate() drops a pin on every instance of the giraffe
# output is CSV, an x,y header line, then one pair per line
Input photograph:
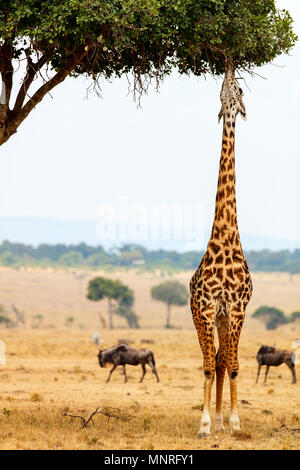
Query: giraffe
x,y
221,287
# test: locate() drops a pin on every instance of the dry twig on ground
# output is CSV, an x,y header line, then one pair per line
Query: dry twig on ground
x,y
107,411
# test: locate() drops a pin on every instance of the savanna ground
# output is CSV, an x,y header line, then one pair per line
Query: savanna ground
x,y
53,370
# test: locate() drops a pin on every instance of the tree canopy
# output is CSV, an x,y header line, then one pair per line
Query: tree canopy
x,y
271,316
99,288
250,33
147,38
171,293
114,290
295,316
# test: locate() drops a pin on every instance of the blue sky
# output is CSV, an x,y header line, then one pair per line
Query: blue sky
x,y
73,156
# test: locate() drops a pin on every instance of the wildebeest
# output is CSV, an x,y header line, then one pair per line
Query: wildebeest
x,y
123,354
270,356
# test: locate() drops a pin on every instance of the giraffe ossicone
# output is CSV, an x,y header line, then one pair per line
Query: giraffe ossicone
x,y
221,287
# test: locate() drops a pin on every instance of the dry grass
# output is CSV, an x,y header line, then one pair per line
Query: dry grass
x,y
43,379
52,371
58,295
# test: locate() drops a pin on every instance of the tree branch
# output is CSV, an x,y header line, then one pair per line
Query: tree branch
x,y
16,118
109,412
32,70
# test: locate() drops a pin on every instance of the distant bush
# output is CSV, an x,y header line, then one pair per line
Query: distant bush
x,y
5,320
295,316
37,320
8,258
73,258
98,259
131,256
69,321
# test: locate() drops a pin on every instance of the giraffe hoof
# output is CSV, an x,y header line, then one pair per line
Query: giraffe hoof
x,y
236,429
202,434
234,423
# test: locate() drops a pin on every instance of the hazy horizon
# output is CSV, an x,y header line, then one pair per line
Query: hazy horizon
x,y
35,231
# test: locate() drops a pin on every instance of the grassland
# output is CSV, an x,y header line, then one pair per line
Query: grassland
x,y
51,371
58,295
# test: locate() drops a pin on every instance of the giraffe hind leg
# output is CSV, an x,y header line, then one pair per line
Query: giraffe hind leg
x,y
204,322
221,366
236,323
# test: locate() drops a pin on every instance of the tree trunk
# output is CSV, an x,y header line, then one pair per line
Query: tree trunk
x,y
168,315
110,315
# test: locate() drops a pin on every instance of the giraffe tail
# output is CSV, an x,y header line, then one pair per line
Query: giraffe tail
x,y
222,317
221,310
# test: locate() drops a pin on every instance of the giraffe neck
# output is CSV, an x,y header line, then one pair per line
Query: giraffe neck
x,y
225,228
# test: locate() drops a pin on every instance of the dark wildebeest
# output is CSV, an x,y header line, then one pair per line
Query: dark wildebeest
x,y
270,356
123,354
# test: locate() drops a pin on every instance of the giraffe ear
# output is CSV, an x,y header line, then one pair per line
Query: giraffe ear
x,y
244,115
242,111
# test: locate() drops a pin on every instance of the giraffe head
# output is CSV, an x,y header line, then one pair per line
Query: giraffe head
x,y
231,96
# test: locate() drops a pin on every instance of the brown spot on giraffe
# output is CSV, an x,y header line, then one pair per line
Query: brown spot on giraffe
x,y
227,288
219,259
215,248
209,260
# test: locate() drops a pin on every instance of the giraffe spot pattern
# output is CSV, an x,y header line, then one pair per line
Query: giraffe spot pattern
x,y
222,284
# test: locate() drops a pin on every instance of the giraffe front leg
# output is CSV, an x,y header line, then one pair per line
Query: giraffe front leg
x,y
204,322
236,323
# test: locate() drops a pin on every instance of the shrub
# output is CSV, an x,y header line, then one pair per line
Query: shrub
x,y
271,316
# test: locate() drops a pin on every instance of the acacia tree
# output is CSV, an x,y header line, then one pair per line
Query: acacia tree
x,y
272,317
125,299
147,38
120,298
295,316
171,293
57,38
